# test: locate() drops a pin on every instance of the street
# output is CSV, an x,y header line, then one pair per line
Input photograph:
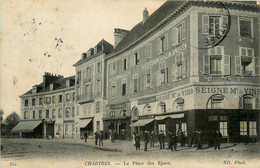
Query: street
x,y
61,151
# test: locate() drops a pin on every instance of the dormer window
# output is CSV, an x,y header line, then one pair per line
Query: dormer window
x,y
34,89
89,54
68,83
51,87
95,50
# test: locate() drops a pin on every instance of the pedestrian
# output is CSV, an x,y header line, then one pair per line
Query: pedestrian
x,y
86,136
161,139
100,137
170,140
190,138
133,138
195,138
199,140
113,136
218,137
145,140
152,136
137,141
179,132
174,142
182,139
96,137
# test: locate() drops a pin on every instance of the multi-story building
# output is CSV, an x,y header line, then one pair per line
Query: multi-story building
x,y
90,88
189,66
48,109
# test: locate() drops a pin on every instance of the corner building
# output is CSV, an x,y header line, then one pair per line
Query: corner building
x,y
167,74
48,109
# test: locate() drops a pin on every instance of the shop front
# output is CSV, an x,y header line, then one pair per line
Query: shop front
x,y
85,125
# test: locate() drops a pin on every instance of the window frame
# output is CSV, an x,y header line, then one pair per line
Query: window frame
x,y
251,24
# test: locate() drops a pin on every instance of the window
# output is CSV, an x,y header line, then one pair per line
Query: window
x,y
113,89
245,62
53,99
184,128
135,87
33,101
48,100
95,50
179,33
162,107
40,101
67,112
112,114
99,88
60,113
97,106
163,74
243,127
123,113
47,114
147,109
33,114
25,102
252,128
223,128
148,52
245,27
40,113
163,43
179,67
248,103
147,78
73,96
178,104
125,64
113,68
66,129
73,112
136,58
25,115
124,87
67,97
60,98
78,77
99,69
98,125
68,83
214,25
162,127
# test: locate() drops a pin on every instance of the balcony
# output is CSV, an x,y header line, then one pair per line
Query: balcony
x,y
247,73
85,98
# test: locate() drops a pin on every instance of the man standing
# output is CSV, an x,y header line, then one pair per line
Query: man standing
x,y
145,140
161,139
218,137
100,137
96,138
170,140
199,140
152,139
86,136
173,142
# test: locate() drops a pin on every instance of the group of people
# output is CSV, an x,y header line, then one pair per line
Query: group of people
x,y
98,135
195,138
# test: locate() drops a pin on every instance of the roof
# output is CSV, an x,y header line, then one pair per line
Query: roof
x,y
26,126
140,29
102,47
58,84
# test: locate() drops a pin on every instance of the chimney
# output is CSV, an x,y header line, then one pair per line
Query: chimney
x,y
119,34
145,15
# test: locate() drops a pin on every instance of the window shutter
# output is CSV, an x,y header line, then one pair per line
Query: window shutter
x,y
183,67
174,36
256,103
240,102
115,67
238,65
158,46
145,84
183,30
226,64
127,63
111,68
206,60
257,66
158,78
223,22
205,24
166,42
166,76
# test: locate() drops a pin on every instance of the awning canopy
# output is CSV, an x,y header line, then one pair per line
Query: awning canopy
x,y
26,126
141,122
83,123
169,116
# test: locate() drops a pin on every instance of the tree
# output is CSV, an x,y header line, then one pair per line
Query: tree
x,y
12,119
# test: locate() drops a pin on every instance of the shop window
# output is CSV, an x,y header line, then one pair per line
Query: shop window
x,y
66,129
97,106
53,113
124,87
33,114
162,107
223,128
147,109
248,103
147,78
245,27
47,114
162,127
60,98
213,118
243,127
40,101
112,114
60,113
252,128
40,114
25,115
184,128
25,102
123,113
33,101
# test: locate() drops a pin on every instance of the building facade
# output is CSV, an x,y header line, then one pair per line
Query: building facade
x,y
90,88
182,69
48,109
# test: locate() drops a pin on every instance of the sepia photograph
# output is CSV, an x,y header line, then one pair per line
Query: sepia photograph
x,y
130,83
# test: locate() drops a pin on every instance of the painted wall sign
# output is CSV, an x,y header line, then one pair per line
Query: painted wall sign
x,y
227,90
118,106
147,100
146,117
175,94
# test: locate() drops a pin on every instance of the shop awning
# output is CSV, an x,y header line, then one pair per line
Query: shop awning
x,y
83,123
169,116
141,122
26,126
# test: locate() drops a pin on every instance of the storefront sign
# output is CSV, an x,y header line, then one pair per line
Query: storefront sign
x,y
176,94
147,100
118,106
146,117
226,90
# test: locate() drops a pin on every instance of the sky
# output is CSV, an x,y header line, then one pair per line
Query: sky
x,y
40,36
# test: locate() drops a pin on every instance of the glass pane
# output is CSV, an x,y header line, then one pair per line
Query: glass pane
x,y
249,52
245,28
243,51
219,50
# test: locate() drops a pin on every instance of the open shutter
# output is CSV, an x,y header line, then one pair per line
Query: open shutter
x,y
158,46
240,102
166,76
183,30
226,64
116,67
205,24
206,61
184,69
257,66
174,36
223,22
158,78
238,65
166,42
